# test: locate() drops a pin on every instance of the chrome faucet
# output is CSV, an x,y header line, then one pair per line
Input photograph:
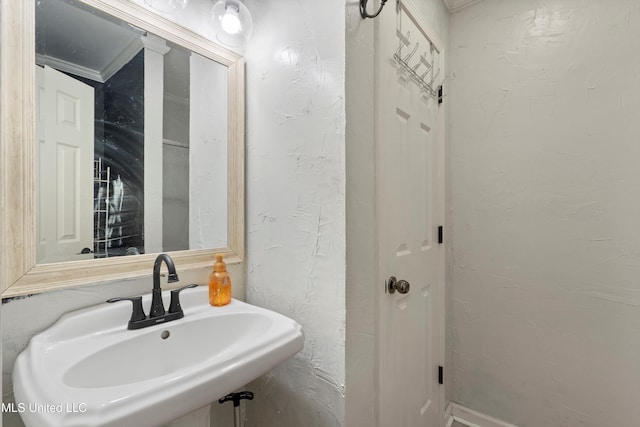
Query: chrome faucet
x,y
157,314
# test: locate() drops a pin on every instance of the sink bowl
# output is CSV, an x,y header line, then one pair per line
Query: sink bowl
x,y
88,369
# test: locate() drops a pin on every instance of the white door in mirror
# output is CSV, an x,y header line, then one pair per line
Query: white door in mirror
x,y
88,369
65,167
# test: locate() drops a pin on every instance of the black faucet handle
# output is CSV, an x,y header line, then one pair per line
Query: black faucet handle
x,y
175,306
138,312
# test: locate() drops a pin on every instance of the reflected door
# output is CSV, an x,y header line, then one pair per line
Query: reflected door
x,y
65,122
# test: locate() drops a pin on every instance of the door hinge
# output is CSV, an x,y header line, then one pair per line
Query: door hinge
x,y
440,94
440,234
440,374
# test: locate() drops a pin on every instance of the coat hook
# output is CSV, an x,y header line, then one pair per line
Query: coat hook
x,y
363,9
404,41
410,54
426,63
422,61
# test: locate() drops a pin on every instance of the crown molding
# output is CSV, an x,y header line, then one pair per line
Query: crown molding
x,y
69,67
101,76
126,55
456,5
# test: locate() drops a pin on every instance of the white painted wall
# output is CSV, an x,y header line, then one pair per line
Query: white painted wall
x,y
154,50
361,255
544,173
175,196
296,202
207,154
175,157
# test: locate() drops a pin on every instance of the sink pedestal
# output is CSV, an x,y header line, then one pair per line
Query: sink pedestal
x,y
198,418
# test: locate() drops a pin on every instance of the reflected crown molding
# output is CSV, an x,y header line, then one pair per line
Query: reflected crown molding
x,y
456,5
102,75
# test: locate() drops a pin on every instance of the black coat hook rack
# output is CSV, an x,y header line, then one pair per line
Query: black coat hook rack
x,y
363,9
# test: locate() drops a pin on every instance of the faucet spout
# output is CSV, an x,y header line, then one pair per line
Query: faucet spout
x,y
173,276
157,307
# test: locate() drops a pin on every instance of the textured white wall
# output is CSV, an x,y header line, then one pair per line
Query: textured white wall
x,y
544,174
295,202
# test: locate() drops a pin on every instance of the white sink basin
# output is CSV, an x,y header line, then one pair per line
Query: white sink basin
x,y
88,369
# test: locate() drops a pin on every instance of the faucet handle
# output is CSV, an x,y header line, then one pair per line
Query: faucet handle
x,y
175,306
138,312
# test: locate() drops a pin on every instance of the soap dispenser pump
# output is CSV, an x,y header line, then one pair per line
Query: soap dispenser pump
x,y
219,284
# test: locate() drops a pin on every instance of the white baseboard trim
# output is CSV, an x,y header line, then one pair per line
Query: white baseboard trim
x,y
471,418
448,418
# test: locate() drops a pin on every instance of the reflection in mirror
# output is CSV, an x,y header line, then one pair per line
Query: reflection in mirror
x,y
131,133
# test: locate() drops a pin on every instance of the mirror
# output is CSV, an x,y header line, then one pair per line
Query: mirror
x,y
123,120
137,130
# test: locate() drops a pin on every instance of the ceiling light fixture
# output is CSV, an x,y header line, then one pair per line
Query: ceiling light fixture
x,y
232,23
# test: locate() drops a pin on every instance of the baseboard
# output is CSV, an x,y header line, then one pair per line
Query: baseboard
x,y
471,418
448,418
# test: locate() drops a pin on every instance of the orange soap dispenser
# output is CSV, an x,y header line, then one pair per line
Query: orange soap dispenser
x,y
219,283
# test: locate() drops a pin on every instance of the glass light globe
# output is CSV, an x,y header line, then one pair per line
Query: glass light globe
x,y
232,23
167,6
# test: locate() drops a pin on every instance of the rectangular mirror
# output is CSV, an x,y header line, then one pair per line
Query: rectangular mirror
x,y
146,121
130,143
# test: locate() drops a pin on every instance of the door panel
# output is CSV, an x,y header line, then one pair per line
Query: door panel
x,y
65,134
409,208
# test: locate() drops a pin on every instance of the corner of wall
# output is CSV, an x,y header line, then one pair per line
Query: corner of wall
x,y
360,220
295,203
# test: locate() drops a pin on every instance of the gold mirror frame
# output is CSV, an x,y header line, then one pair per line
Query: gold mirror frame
x,y
19,274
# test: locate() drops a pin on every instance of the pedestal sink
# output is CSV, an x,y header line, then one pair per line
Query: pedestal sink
x,y
88,369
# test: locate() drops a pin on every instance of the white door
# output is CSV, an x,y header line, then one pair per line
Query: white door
x,y
409,203
65,122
